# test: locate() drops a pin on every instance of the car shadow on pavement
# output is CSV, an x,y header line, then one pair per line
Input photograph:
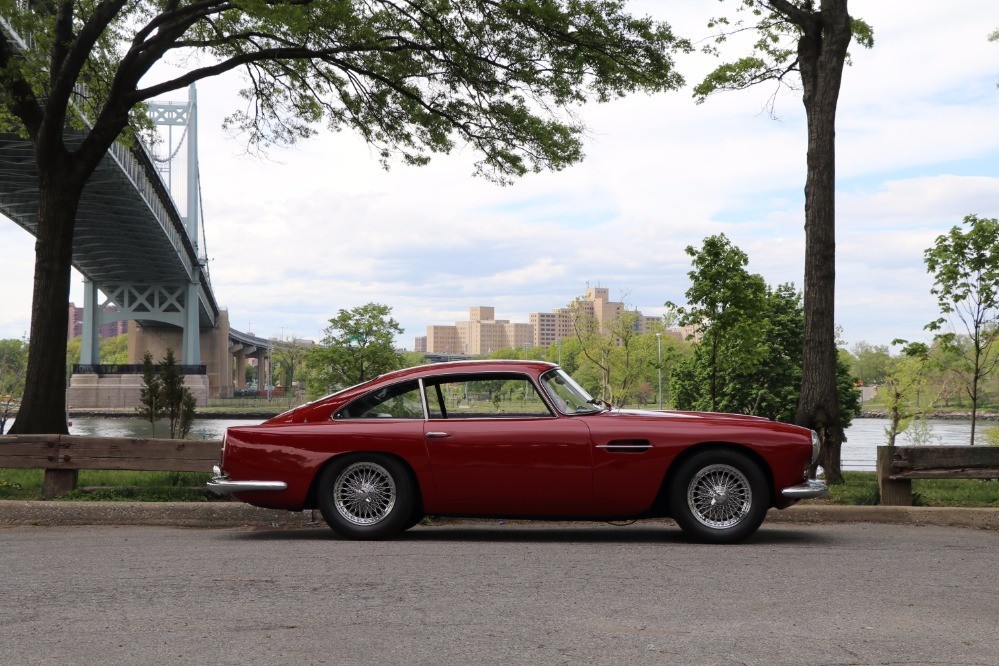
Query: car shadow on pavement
x,y
548,533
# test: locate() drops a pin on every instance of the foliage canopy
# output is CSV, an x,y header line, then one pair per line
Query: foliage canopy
x,y
412,78
359,344
965,268
748,356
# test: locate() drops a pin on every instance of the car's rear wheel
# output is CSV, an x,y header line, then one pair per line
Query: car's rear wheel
x,y
719,496
366,496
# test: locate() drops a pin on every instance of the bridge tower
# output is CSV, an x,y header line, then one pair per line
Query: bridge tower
x,y
158,309
174,304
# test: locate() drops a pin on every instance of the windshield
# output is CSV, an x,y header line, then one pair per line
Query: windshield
x,y
568,396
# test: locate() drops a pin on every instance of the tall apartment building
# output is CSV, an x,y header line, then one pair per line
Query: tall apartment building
x,y
483,333
111,330
444,340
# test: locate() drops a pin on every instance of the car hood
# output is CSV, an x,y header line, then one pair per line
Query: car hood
x,y
680,415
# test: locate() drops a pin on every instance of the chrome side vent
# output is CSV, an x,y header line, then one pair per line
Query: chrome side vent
x,y
626,446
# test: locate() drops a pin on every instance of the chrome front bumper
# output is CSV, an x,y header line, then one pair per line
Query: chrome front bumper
x,y
222,485
806,490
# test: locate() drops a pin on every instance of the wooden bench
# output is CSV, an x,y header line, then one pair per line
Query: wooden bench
x,y
63,456
898,465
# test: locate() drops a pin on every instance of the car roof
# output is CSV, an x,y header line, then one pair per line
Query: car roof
x,y
483,365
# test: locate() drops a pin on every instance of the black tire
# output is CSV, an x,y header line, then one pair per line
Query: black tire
x,y
414,520
719,496
366,496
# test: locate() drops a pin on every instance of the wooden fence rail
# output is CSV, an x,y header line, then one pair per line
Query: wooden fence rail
x,y
898,465
62,456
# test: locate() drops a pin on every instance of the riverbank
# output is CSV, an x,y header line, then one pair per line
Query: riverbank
x,y
255,412
938,415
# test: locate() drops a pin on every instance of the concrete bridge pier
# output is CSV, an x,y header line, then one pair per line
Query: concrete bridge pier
x,y
96,386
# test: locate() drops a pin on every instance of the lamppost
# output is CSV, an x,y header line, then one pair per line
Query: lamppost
x,y
659,348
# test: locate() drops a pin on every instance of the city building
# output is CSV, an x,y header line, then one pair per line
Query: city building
x,y
483,334
110,330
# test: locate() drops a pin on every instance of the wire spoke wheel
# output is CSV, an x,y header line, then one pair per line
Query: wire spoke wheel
x,y
364,493
719,496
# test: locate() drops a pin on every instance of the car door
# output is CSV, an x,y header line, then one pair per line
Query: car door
x,y
496,448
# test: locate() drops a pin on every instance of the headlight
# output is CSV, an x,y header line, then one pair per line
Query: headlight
x,y
816,444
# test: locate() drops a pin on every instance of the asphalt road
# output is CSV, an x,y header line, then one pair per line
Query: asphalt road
x,y
488,592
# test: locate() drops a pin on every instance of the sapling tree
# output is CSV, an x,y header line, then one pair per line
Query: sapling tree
x,y
904,380
150,399
965,268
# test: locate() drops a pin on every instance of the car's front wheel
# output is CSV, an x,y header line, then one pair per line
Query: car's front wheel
x,y
719,496
366,496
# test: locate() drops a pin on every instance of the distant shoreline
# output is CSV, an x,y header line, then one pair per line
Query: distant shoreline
x,y
944,415
130,413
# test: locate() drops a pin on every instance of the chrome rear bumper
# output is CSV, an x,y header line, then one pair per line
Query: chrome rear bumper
x,y
222,485
807,490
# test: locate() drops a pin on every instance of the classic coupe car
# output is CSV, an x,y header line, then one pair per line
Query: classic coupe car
x,y
515,439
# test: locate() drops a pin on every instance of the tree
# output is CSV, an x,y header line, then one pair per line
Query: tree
x,y
965,268
13,363
151,404
413,79
905,378
114,351
163,394
359,344
801,42
612,353
870,362
720,302
289,358
748,359
177,400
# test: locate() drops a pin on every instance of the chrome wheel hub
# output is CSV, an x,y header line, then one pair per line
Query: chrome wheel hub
x,y
364,493
719,496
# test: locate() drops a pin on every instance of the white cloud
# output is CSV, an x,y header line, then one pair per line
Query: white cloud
x,y
322,227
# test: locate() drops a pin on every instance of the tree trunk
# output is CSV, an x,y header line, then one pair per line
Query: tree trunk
x,y
822,54
43,406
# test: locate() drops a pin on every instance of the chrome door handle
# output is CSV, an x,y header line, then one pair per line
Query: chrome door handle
x,y
438,435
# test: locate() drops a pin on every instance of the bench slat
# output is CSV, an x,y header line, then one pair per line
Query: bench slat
x,y
112,453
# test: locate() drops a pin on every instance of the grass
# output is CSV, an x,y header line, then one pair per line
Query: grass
x,y
112,486
860,488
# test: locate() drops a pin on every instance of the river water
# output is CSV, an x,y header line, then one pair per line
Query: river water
x,y
859,451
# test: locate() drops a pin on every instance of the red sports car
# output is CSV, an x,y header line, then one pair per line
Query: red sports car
x,y
515,439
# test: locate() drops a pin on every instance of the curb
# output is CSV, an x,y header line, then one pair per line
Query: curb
x,y
220,515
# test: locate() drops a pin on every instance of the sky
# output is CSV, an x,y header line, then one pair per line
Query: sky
x,y
304,232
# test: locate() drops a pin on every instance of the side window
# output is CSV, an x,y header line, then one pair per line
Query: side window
x,y
485,396
400,401
436,401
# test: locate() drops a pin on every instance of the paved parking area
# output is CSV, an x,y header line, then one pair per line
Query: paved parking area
x,y
491,592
